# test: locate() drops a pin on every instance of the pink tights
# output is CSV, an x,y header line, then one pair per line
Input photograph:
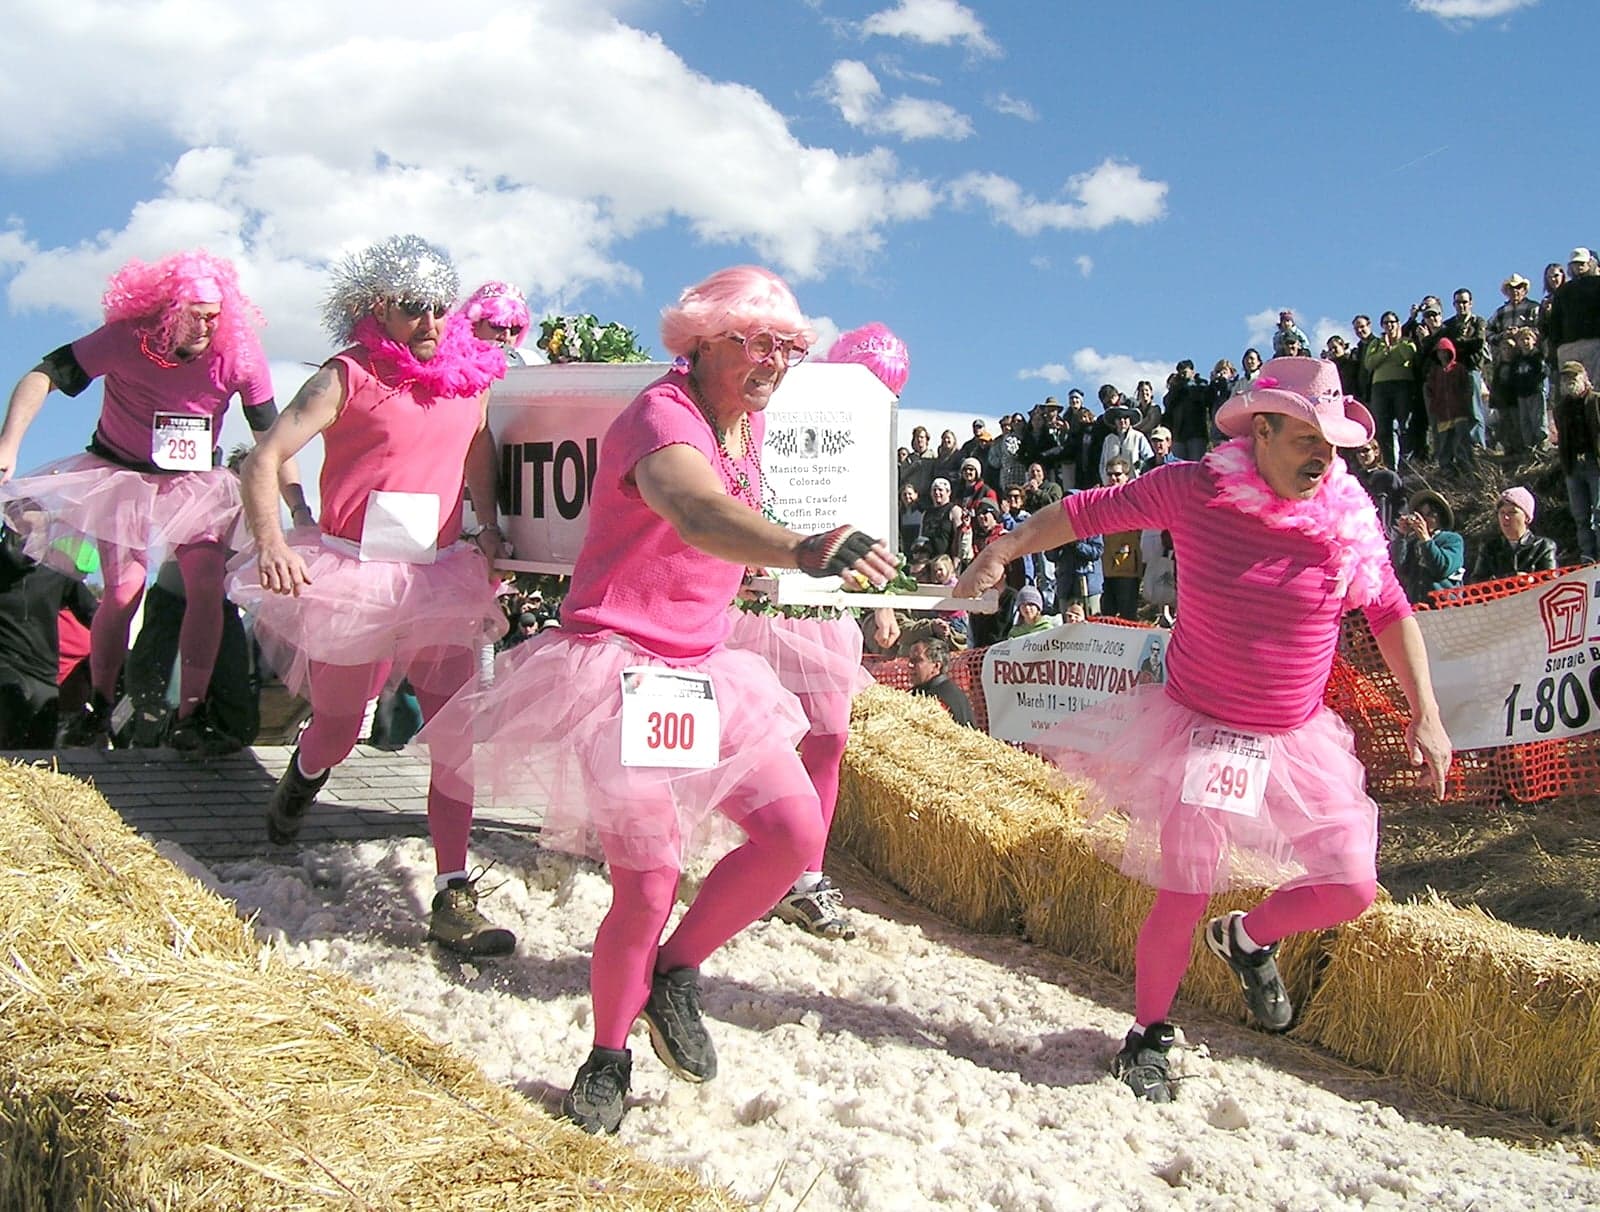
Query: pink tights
x,y
199,637
781,837
339,697
1162,955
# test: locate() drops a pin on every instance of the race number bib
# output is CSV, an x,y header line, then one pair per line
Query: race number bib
x,y
1226,770
669,718
401,526
180,442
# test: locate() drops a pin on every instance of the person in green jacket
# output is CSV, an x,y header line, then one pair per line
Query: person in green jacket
x,y
1428,554
1386,364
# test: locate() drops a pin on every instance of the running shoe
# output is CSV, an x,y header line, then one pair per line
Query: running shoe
x,y
1257,972
1142,1064
286,810
819,911
599,1093
677,1032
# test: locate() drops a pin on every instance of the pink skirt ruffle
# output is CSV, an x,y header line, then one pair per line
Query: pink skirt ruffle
x,y
818,660
549,731
86,497
358,612
1316,825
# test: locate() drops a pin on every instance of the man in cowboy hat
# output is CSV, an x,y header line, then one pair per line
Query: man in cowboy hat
x,y
1233,771
1124,443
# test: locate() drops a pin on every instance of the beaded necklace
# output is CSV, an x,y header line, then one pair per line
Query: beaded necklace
x,y
734,477
144,348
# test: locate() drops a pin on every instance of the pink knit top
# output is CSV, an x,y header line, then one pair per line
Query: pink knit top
x,y
634,576
393,440
137,388
1258,605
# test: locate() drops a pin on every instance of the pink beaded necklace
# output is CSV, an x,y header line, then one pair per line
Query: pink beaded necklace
x,y
734,477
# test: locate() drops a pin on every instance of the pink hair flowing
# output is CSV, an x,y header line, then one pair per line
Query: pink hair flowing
x,y
742,300
158,293
500,303
879,350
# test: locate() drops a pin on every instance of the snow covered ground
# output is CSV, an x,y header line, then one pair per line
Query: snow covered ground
x,y
917,1066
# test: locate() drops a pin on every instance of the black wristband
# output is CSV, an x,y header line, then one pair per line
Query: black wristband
x,y
822,555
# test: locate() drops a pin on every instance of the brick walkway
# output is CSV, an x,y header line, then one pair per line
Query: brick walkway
x,y
215,809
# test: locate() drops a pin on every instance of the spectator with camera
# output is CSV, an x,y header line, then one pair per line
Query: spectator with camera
x,y
1186,412
1427,553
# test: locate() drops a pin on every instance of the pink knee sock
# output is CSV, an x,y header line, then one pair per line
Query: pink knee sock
x,y
449,816
1162,955
821,753
339,695
783,836
1315,907
124,573
624,957
203,566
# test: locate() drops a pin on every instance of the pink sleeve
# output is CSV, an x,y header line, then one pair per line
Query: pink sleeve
x,y
1152,502
1390,605
102,349
663,415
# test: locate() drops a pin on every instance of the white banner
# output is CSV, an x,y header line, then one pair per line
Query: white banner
x,y
1520,668
1030,682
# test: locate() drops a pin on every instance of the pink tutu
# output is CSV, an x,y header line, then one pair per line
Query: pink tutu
x,y
1316,822
84,496
358,612
549,731
818,660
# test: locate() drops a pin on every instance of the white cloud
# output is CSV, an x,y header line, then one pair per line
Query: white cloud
x,y
320,129
934,22
857,95
1470,10
1259,327
1325,327
1085,265
1113,192
1014,107
1090,368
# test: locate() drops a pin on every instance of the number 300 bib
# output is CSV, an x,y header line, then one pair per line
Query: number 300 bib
x,y
669,718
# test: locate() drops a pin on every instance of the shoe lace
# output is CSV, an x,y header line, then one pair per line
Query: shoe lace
x,y
603,1083
477,874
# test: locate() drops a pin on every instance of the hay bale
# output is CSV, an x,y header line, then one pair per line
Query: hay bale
x,y
936,808
1450,996
156,1055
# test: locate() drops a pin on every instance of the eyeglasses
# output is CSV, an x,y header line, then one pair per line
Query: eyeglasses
x,y
1117,475
505,330
759,347
415,309
1388,320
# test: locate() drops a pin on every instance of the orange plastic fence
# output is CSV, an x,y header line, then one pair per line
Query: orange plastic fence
x,y
1365,694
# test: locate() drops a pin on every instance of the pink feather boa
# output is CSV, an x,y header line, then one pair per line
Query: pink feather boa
x,y
1341,515
461,366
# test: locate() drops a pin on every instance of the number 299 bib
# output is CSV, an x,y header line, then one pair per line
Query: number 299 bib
x,y
669,718
1226,770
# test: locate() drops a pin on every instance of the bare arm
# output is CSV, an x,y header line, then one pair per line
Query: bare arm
x,y
315,406
1048,528
1403,651
482,472
27,398
677,483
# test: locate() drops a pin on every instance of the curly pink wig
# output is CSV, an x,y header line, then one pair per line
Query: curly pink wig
x,y
157,296
742,300
879,350
500,303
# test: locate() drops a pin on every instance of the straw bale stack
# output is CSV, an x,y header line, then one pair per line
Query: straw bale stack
x,y
157,1056
937,808
1501,1015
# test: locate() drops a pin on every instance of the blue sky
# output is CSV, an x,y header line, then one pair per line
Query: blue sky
x,y
1033,195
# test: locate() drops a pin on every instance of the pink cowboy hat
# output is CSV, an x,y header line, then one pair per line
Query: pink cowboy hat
x,y
1305,388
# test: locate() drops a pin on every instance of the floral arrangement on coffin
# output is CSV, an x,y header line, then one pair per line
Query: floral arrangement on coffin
x,y
584,339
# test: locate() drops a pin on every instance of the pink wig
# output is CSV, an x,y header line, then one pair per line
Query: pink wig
x,y
743,299
879,350
500,303
156,296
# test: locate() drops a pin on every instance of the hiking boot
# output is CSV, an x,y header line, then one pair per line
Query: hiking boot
x,y
90,728
1142,1064
677,1032
600,1091
195,736
820,911
1257,972
456,925
286,810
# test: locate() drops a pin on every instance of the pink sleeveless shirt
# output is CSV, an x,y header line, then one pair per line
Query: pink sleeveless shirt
x,y
393,439
634,576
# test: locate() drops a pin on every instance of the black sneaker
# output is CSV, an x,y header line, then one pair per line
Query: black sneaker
x,y
1257,972
90,728
1142,1064
286,810
600,1091
195,736
456,924
677,1032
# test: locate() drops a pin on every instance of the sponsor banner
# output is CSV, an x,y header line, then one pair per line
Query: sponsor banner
x,y
1520,668
1031,682
828,458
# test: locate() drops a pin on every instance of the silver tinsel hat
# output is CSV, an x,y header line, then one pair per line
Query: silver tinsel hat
x,y
397,267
